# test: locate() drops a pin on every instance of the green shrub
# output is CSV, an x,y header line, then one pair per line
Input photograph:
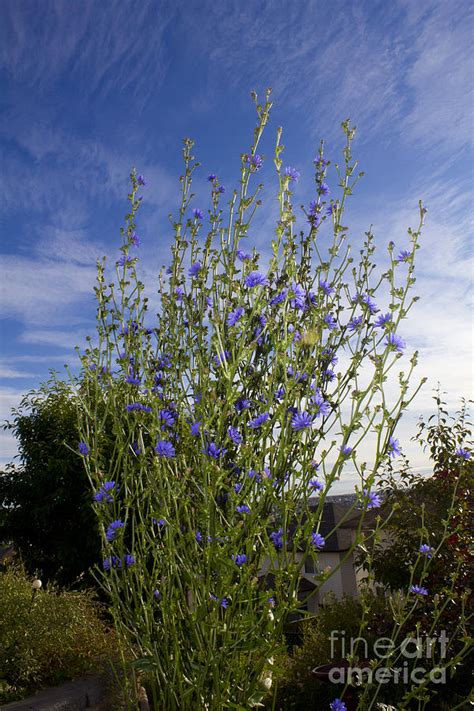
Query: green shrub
x,y
331,637
45,503
46,636
297,685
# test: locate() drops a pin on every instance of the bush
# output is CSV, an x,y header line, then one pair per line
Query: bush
x,y
47,636
45,504
297,685
327,640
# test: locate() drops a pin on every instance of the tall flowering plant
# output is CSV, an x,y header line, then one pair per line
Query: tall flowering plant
x,y
248,393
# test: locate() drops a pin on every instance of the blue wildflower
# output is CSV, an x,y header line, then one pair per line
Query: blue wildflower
x,y
383,320
259,420
463,453
105,493
255,279
124,261
195,428
198,536
367,301
239,559
321,406
346,450
314,214
394,341
292,174
338,705
136,448
242,404
426,550
316,485
83,449
276,538
194,269
328,356
317,540
373,500
393,448
135,240
330,322
242,508
298,301
404,256
111,562
278,298
113,529
165,449
132,380
224,603
326,287
255,162
418,590
243,256
179,293
254,475
280,393
235,435
235,315
137,406
301,420
129,560
141,180
320,162
212,177
168,417
164,362
198,214
323,189
156,594
213,451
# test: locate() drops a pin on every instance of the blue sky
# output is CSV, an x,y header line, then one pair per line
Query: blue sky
x,y
89,88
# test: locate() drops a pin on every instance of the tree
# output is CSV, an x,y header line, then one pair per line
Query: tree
x,y
45,502
434,513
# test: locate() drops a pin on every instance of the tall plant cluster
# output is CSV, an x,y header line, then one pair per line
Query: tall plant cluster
x,y
248,392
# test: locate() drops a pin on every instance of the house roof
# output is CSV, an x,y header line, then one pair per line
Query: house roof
x,y
333,512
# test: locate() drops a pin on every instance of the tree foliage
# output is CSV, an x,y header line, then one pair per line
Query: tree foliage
x,y
46,510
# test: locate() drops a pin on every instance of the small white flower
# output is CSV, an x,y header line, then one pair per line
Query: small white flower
x,y
36,584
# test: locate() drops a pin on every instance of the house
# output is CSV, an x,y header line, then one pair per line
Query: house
x,y
339,524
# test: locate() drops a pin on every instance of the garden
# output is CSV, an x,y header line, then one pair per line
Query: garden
x,y
172,492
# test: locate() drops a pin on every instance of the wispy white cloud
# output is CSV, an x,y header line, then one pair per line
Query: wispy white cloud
x,y
59,339
440,75
40,292
92,43
8,372
62,183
